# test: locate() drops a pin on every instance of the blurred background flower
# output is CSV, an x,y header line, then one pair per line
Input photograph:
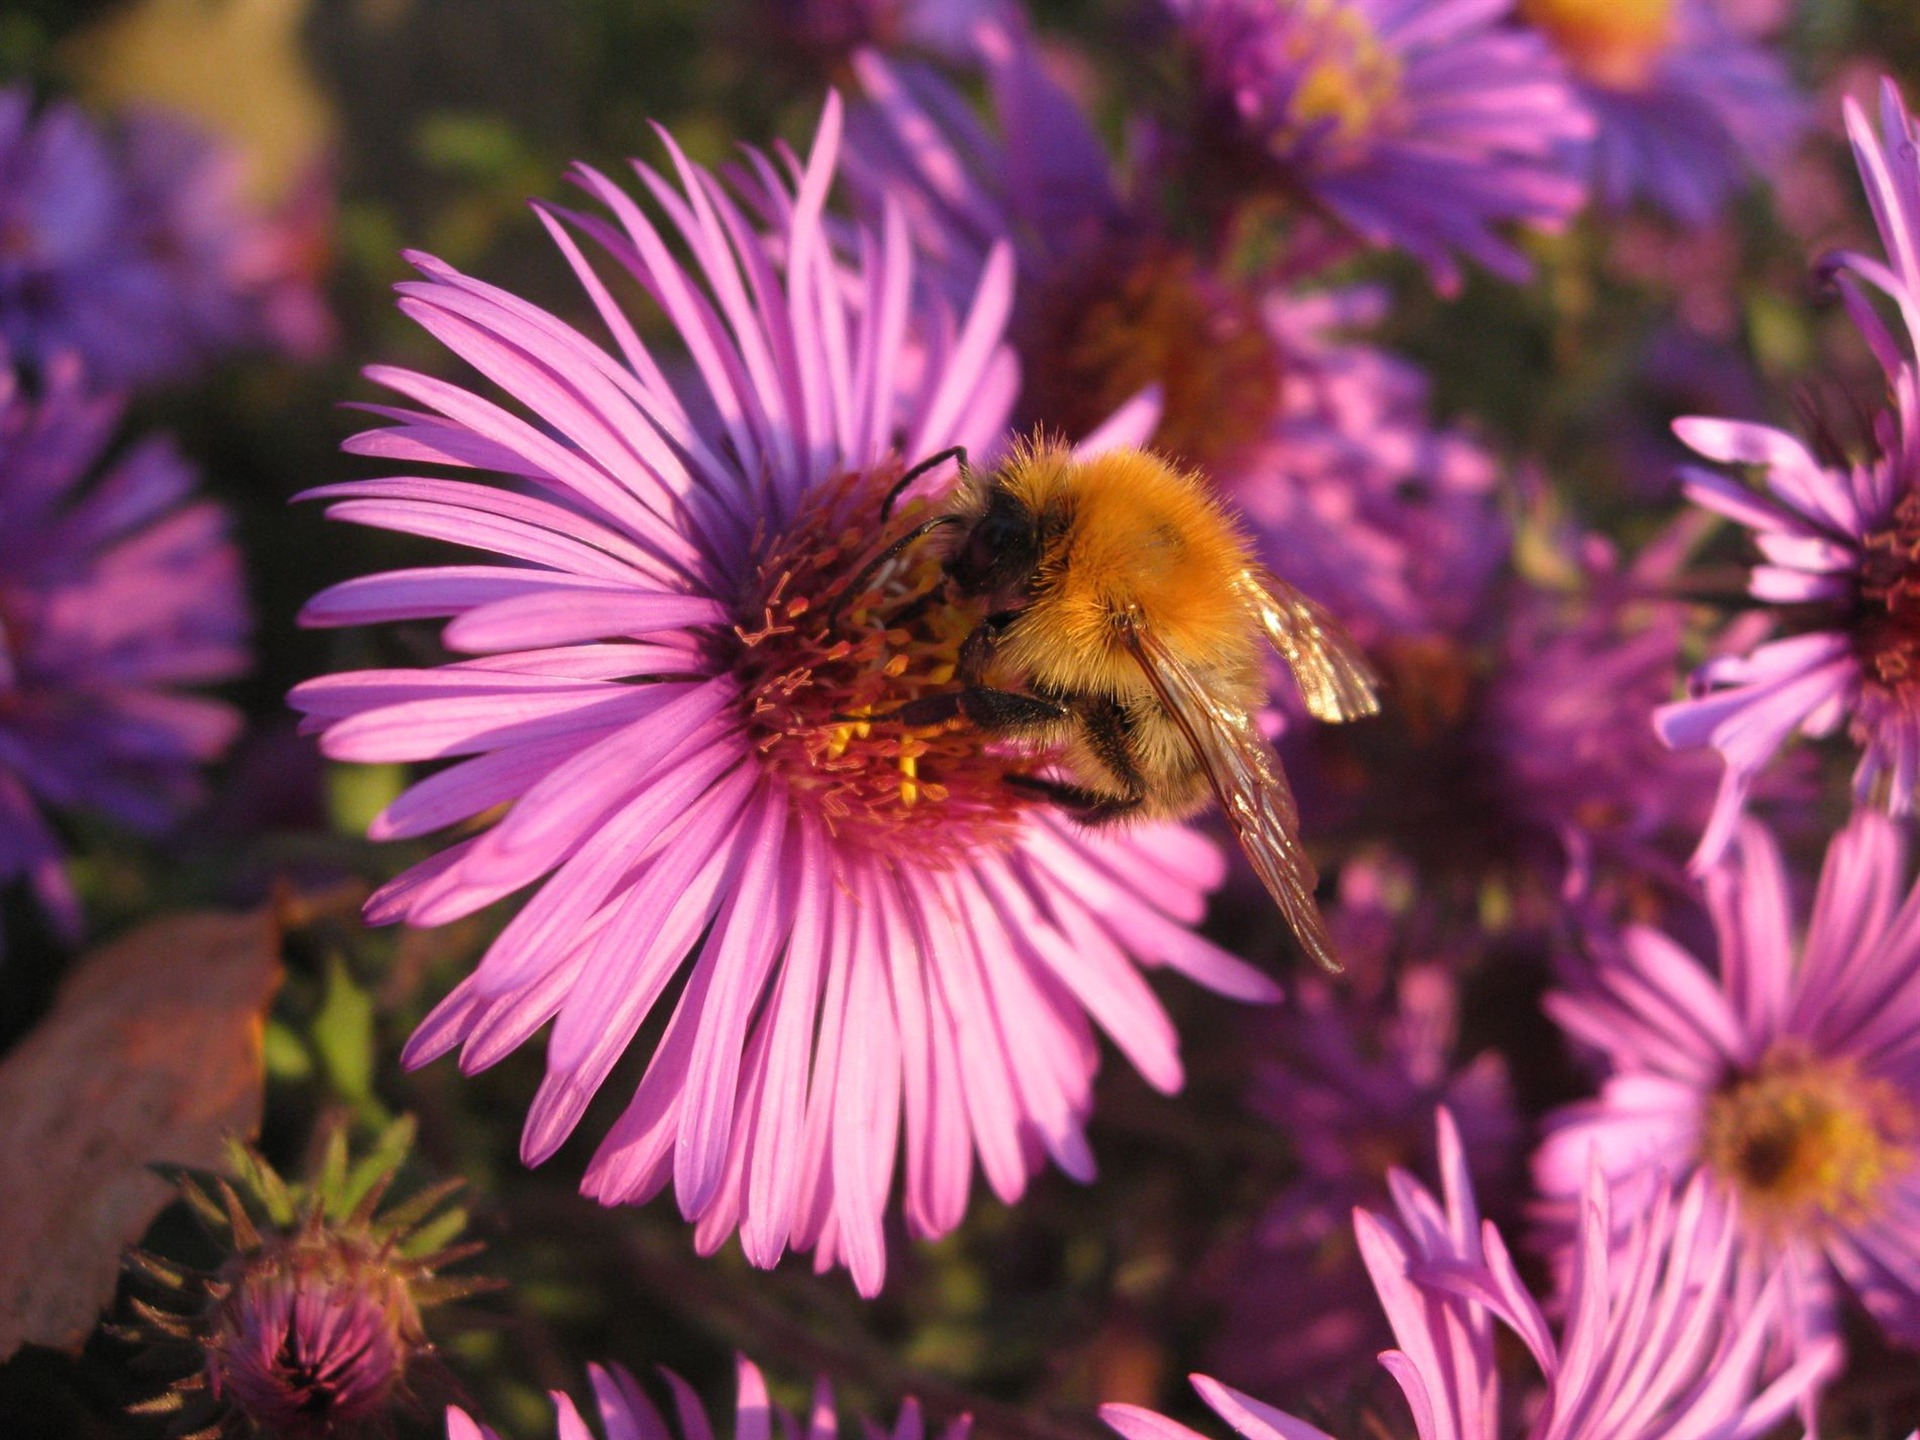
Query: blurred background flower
x,y
1418,124
118,589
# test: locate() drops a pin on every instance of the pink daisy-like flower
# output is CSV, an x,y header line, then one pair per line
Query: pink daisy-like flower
x,y
1650,1348
117,589
1838,534
1421,124
1685,107
668,677
627,1414
1786,1076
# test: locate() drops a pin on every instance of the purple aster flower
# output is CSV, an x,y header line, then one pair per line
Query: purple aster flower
x,y
240,278
1353,493
1580,670
666,684
1109,304
117,588
1650,1349
1838,535
1785,1076
1684,106
136,249
1526,770
627,1414
1420,124
1323,444
1357,1073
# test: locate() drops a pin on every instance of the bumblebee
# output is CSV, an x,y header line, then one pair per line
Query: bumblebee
x,y
1125,622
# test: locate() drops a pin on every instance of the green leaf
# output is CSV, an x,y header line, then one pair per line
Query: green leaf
x,y
476,145
436,1234
343,1035
357,793
287,1057
387,1155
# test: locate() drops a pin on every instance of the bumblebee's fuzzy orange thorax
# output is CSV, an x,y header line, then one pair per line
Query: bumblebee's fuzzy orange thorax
x,y
1127,535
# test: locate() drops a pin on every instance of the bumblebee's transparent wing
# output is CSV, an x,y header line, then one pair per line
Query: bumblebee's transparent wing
x,y
1333,675
1250,786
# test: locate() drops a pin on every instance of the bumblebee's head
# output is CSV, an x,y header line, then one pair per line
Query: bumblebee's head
x,y
1000,549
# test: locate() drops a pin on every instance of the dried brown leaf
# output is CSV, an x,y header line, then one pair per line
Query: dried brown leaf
x,y
152,1053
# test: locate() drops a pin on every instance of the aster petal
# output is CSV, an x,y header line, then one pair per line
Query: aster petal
x,y
1251,1418
746,937
1136,1422
867,1099
780,1108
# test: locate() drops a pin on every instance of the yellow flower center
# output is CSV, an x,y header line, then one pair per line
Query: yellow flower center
x,y
1351,79
1611,43
1804,1139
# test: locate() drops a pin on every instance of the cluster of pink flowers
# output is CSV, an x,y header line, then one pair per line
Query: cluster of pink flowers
x,y
882,957
673,714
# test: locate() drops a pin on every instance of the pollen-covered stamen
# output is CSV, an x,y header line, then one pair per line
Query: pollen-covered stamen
x,y
825,668
1804,1138
1147,313
1611,43
1887,629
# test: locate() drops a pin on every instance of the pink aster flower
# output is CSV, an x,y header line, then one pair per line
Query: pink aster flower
x,y
1785,1075
1838,534
1420,124
627,1414
1685,107
667,675
117,590
1650,1348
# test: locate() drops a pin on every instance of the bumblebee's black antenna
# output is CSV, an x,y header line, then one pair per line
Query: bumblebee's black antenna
x,y
956,453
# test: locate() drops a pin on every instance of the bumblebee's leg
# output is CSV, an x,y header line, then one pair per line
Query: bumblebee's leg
x,y
1109,734
1089,807
914,609
977,649
1103,723
998,711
